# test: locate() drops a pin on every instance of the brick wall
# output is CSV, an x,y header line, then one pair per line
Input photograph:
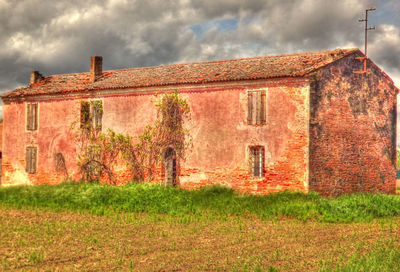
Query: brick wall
x,y
352,130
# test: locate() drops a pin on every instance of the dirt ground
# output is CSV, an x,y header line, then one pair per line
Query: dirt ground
x,y
47,241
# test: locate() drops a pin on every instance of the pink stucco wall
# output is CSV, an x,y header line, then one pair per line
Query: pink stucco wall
x,y
218,126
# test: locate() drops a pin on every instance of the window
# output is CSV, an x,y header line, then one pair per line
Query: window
x,y
257,161
97,114
91,114
32,116
31,159
85,115
256,107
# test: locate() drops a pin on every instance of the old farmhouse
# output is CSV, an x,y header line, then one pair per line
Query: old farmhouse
x,y
301,122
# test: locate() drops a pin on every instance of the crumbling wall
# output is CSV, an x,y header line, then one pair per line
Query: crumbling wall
x,y
13,162
352,130
218,126
52,137
222,137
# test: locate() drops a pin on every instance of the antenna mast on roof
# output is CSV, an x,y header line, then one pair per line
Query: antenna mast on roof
x,y
364,71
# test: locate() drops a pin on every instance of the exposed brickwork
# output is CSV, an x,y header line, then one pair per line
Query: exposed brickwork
x,y
352,131
221,138
326,129
220,152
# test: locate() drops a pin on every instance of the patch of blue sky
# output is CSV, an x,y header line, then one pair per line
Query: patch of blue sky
x,y
386,13
221,25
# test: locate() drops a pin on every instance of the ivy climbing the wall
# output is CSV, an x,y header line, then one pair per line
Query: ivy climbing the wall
x,y
100,152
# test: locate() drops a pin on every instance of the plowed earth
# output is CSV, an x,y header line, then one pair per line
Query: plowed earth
x,y
37,240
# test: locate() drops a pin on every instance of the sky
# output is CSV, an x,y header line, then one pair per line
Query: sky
x,y
60,36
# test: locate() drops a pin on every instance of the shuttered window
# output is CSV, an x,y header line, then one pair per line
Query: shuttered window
x,y
257,161
31,159
262,112
32,116
250,108
256,114
97,113
85,115
91,114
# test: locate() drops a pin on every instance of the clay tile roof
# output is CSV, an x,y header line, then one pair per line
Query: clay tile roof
x,y
293,65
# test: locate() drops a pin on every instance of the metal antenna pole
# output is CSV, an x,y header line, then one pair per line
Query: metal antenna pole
x,y
366,40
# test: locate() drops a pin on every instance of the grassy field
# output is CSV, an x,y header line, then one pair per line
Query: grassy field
x,y
89,227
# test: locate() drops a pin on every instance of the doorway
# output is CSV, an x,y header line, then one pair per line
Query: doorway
x,y
170,167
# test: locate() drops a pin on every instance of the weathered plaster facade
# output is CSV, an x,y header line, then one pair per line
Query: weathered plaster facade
x,y
353,130
326,129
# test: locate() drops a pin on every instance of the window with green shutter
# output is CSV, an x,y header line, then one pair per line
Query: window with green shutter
x,y
31,159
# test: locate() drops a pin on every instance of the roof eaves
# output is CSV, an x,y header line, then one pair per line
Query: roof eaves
x,y
385,75
294,73
344,54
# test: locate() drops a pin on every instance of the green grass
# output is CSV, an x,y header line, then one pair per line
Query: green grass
x,y
155,199
36,257
385,256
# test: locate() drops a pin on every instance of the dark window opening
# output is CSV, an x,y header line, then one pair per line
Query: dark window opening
x,y
31,159
32,116
257,161
256,114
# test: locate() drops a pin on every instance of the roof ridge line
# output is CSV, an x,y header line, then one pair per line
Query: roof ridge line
x,y
345,50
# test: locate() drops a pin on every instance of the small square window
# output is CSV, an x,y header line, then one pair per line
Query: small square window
x,y
31,159
32,116
257,161
256,114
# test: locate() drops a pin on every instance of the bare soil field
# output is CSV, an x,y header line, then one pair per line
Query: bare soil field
x,y
37,240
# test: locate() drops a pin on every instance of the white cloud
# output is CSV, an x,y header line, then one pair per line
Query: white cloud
x,y
60,36
396,79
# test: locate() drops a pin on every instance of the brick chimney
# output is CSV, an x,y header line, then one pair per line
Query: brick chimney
x,y
96,68
36,77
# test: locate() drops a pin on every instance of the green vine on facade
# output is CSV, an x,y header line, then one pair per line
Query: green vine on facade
x,y
100,152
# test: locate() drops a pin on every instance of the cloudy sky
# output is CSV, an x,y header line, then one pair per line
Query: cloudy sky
x,y
60,36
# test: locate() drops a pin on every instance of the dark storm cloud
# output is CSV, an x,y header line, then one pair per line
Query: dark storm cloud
x,y
215,9
385,46
60,36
